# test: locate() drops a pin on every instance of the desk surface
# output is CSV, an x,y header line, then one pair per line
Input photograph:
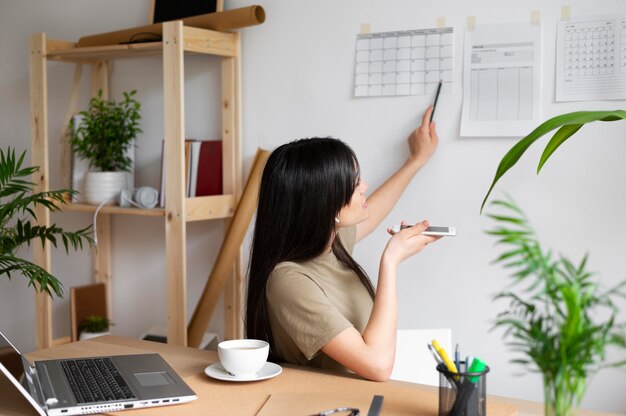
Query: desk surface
x,y
221,397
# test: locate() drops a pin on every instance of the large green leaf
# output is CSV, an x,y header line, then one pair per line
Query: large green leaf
x,y
574,121
559,137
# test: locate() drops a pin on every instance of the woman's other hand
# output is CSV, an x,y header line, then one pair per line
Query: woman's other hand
x,y
407,242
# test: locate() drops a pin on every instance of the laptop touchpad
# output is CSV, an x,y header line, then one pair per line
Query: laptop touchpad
x,y
154,379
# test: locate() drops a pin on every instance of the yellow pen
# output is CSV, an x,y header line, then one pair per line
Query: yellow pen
x,y
446,359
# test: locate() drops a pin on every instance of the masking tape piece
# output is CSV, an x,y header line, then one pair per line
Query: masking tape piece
x,y
535,17
470,23
441,22
566,13
366,28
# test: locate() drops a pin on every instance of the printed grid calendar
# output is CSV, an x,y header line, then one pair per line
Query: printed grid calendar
x,y
591,60
590,48
409,62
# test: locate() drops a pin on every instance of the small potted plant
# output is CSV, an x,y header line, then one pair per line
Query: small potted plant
x,y
103,136
561,322
18,225
94,326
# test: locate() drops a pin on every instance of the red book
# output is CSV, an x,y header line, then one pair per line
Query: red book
x,y
209,181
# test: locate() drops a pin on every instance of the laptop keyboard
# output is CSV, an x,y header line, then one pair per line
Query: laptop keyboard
x,y
96,380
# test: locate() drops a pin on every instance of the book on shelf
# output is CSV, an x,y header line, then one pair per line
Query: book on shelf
x,y
80,167
194,157
209,180
203,168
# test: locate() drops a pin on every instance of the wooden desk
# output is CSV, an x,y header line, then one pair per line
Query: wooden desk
x,y
227,398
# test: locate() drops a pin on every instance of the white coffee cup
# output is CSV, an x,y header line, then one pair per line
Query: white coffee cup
x,y
243,357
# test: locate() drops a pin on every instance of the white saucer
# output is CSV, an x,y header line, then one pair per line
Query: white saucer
x,y
269,370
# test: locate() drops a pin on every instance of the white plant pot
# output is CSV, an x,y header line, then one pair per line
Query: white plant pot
x,y
87,335
104,187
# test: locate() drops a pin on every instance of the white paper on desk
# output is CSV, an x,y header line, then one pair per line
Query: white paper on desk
x,y
588,65
501,80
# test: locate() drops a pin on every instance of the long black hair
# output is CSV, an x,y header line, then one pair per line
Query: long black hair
x,y
304,185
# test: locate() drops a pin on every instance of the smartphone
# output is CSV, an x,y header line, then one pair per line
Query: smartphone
x,y
433,230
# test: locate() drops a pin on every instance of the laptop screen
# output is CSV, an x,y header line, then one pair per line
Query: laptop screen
x,y
11,358
12,365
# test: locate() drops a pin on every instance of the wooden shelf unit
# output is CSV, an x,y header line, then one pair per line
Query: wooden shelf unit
x,y
178,40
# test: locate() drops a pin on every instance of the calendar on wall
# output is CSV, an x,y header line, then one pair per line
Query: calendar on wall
x,y
409,62
591,58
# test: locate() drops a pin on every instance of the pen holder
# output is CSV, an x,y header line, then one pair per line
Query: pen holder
x,y
463,393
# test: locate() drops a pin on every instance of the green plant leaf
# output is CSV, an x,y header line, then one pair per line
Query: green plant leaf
x,y
106,132
559,137
577,118
17,205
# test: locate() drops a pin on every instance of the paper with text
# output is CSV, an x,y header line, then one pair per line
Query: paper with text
x,y
591,58
501,80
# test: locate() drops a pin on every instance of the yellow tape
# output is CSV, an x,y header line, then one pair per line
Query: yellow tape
x,y
535,18
566,13
366,28
470,23
441,22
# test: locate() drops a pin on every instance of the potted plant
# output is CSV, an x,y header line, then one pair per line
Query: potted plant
x,y
103,136
94,326
17,229
561,321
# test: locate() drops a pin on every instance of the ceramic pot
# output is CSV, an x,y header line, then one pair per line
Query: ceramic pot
x,y
87,334
104,187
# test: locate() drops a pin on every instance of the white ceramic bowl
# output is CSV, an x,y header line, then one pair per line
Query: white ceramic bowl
x,y
243,357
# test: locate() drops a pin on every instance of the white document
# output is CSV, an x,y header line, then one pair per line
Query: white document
x,y
591,58
501,80
409,62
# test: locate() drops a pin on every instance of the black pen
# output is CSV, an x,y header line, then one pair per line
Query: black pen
x,y
436,98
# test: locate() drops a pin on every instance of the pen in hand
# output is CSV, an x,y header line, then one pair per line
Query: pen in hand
x,y
436,98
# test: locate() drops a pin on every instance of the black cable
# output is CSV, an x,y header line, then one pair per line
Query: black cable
x,y
152,37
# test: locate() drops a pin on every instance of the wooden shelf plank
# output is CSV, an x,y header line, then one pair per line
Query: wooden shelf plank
x,y
209,42
154,212
210,207
94,53
198,208
195,40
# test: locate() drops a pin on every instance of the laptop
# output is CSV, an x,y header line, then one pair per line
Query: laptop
x,y
95,384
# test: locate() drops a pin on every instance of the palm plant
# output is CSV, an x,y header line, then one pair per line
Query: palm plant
x,y
551,324
16,229
568,124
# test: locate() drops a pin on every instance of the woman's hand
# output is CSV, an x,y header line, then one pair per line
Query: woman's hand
x,y
423,140
407,242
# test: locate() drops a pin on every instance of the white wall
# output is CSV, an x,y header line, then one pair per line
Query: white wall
x,y
297,78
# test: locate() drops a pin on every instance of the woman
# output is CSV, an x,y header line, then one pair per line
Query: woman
x,y
307,296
